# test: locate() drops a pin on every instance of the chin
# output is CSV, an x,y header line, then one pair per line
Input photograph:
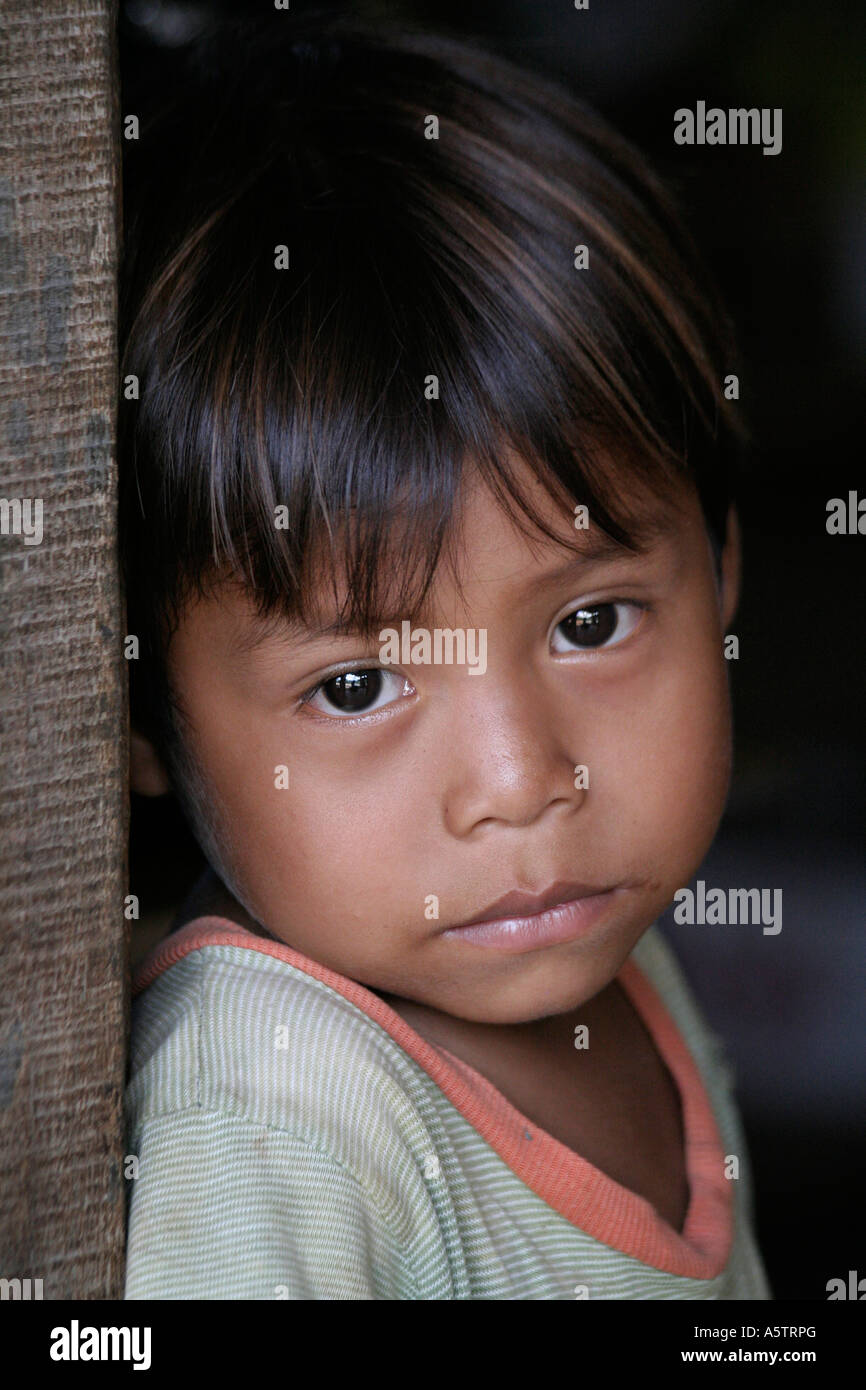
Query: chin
x,y
560,991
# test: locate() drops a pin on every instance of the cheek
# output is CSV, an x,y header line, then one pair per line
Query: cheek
x,y
323,842
690,769
667,760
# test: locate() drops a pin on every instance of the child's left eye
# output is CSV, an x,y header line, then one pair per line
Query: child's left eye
x,y
595,625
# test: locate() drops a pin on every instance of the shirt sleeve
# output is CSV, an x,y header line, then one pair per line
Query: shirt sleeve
x,y
223,1208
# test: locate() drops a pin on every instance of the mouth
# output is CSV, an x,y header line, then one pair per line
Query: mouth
x,y
524,921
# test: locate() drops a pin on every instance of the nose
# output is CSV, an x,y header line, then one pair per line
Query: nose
x,y
508,761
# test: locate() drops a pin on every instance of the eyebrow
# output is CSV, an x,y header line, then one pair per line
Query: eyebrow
x,y
601,549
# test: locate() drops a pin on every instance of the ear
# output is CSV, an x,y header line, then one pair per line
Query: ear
x,y
147,774
731,560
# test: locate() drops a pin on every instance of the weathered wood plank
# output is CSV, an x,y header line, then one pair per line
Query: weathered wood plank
x,y
63,719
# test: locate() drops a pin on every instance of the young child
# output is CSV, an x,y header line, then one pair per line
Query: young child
x,y
429,547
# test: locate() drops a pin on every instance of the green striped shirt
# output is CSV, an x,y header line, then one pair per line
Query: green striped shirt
x,y
297,1139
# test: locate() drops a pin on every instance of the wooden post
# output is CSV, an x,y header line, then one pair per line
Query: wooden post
x,y
63,714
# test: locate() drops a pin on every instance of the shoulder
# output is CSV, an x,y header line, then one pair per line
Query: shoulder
x,y
282,1137
236,1031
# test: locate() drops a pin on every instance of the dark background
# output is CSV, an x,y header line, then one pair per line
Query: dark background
x,y
785,236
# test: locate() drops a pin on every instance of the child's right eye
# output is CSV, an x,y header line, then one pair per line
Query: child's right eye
x,y
359,691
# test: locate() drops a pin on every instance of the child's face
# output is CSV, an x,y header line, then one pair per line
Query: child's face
x,y
462,785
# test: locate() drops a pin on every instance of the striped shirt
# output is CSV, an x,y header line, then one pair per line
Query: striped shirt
x,y
296,1138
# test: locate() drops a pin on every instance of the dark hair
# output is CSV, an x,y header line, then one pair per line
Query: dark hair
x,y
409,256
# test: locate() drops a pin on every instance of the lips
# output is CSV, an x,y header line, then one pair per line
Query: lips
x,y
517,904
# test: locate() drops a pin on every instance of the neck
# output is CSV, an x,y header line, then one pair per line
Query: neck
x,y
210,897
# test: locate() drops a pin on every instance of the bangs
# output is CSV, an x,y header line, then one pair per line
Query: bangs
x,y
317,420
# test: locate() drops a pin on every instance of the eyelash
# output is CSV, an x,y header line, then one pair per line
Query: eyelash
x,y
309,695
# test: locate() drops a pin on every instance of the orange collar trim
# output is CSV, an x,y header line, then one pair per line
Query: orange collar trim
x,y
582,1193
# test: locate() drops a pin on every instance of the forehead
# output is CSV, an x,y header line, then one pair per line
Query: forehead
x,y
502,554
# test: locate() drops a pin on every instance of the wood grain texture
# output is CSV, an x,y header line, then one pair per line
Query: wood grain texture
x,y
63,712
